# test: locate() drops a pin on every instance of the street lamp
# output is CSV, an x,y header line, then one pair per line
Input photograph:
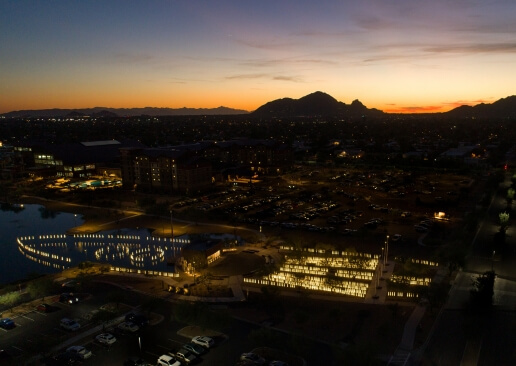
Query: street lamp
x,y
386,250
171,227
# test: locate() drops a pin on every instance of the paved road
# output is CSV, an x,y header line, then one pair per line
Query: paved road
x,y
461,339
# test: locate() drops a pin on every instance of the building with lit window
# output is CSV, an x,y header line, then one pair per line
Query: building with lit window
x,y
73,160
194,167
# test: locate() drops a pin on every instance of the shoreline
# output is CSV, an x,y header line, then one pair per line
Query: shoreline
x,y
103,218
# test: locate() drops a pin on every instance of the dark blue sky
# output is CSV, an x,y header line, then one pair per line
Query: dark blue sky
x,y
398,55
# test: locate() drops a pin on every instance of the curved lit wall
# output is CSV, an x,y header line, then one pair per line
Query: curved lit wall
x,y
134,252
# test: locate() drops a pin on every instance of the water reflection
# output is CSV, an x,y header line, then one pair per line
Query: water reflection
x,y
124,250
47,214
11,207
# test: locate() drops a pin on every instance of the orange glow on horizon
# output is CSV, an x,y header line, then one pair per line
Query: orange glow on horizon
x,y
113,98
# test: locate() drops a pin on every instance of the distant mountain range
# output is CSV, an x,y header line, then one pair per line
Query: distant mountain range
x,y
502,108
123,112
312,105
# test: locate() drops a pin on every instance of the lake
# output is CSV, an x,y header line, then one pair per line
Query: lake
x,y
33,240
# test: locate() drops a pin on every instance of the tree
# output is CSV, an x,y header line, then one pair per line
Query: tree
x,y
504,221
481,296
40,287
10,299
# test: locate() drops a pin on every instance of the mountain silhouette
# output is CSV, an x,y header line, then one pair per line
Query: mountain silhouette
x,y
315,104
125,112
502,108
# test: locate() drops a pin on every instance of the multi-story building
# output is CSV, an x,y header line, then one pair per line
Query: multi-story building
x,y
190,168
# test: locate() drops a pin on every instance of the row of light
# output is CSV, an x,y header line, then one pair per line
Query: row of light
x,y
140,255
54,245
401,294
323,271
52,236
145,272
351,291
339,262
333,252
109,251
412,280
425,262
27,248
39,260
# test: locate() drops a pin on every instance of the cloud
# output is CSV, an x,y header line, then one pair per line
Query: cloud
x,y
277,61
246,76
445,106
458,103
473,48
415,109
295,79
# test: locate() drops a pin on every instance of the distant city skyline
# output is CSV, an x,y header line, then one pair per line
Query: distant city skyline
x,y
394,55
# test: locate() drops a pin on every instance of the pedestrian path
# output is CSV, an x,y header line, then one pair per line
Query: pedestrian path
x,y
409,332
400,357
402,354
377,291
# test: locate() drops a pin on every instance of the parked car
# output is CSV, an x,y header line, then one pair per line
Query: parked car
x,y
396,237
135,361
69,324
204,341
278,363
7,323
194,348
138,319
128,327
253,358
166,360
106,339
79,351
68,298
45,308
186,357
65,358
420,229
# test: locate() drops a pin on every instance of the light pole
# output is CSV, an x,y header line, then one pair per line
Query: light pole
x,y
171,227
492,261
386,250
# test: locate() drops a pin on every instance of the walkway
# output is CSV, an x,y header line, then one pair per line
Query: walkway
x,y
377,291
402,354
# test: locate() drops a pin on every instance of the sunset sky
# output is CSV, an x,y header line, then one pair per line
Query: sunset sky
x,y
394,55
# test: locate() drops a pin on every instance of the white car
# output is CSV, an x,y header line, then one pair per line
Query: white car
x,y
185,356
79,351
204,341
128,327
69,324
106,338
166,360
